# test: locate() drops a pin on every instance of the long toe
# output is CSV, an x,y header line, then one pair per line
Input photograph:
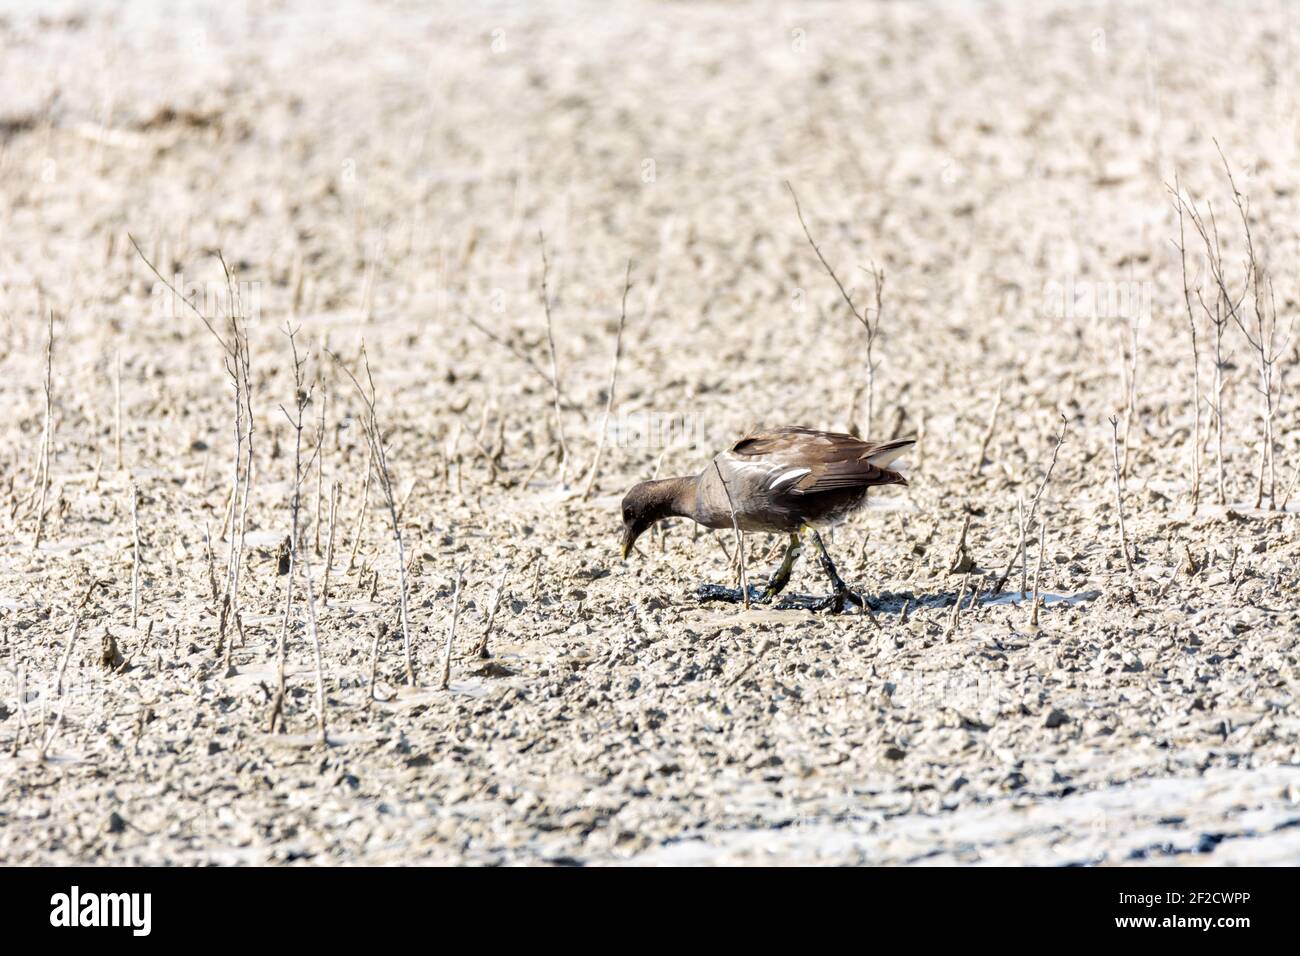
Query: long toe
x,y
862,604
851,599
835,603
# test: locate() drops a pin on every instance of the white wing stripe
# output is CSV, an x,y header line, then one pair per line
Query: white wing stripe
x,y
794,474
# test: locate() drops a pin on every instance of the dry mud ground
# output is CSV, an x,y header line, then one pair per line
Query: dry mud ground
x,y
379,172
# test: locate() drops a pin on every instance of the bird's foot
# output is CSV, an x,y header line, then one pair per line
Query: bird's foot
x,y
844,598
829,602
836,603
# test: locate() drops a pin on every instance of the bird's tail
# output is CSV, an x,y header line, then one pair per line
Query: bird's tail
x,y
883,453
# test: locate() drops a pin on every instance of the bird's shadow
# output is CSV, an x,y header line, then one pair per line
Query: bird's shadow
x,y
787,602
885,602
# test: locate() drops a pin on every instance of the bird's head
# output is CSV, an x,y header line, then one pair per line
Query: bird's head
x,y
646,503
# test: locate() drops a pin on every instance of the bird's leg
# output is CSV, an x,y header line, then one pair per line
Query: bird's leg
x,y
775,584
781,576
842,594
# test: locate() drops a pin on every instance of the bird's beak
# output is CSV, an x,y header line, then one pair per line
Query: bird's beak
x,y
629,539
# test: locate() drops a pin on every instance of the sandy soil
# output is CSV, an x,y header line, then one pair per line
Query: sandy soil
x,y
379,172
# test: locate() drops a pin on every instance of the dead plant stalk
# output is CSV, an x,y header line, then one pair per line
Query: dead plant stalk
x,y
1119,501
451,629
135,556
555,367
235,356
740,541
1196,352
982,456
1263,341
41,482
378,454
613,381
482,649
870,324
1033,510
302,397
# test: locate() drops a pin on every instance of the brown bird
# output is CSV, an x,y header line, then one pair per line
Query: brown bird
x,y
789,480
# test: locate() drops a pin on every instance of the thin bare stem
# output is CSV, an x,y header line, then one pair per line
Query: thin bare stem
x,y
955,618
740,540
982,456
1196,353
1119,501
316,651
482,649
1033,510
226,347
212,569
1024,554
555,367
329,547
1038,572
613,382
381,630
47,440
135,556
379,461
451,629
72,637
302,396
1262,339
358,526
870,325
235,351
1130,394
519,354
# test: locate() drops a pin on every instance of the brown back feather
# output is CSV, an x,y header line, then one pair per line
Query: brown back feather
x,y
835,460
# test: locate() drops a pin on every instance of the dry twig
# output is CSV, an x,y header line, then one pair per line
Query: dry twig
x,y
235,350
482,649
1196,352
555,366
302,397
42,481
740,540
982,456
1033,510
1038,573
379,460
135,556
870,324
613,381
1119,501
451,629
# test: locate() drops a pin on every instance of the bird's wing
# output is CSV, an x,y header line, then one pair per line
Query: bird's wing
x,y
785,440
806,461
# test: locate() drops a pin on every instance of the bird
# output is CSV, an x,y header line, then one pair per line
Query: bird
x,y
789,480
